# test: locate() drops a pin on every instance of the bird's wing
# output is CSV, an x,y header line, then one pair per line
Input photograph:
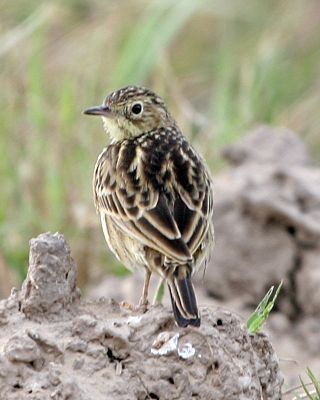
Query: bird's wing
x,y
142,209
193,206
123,193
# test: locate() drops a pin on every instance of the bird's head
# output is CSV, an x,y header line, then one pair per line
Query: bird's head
x,y
132,111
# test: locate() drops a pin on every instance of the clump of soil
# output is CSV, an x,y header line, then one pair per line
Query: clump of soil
x,y
267,225
267,220
55,345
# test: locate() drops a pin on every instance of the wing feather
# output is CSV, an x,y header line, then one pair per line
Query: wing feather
x,y
168,209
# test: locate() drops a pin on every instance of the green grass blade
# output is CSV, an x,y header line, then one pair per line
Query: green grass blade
x,y
306,390
315,382
159,293
313,394
152,34
259,316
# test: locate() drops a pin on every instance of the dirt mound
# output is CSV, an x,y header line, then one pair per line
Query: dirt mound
x,y
267,229
267,223
55,345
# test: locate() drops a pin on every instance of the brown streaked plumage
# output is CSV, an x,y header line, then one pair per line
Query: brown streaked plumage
x,y
154,195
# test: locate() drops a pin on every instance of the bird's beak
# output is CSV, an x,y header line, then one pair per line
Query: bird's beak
x,y
102,110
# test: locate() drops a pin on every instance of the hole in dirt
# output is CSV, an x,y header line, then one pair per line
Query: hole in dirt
x,y
219,322
292,231
112,357
216,365
171,380
153,396
33,364
17,386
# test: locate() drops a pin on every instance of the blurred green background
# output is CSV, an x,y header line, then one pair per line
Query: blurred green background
x,y
222,66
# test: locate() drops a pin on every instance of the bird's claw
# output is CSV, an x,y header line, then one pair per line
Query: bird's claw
x,y
142,306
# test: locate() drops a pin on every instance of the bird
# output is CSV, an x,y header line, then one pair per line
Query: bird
x,y
154,194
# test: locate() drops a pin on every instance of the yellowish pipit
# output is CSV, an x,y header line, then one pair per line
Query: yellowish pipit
x,y
154,195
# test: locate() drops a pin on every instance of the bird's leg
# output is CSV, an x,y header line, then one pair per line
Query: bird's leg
x,y
158,297
143,302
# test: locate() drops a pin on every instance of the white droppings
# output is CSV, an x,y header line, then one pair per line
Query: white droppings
x,y
186,351
133,319
167,343
245,381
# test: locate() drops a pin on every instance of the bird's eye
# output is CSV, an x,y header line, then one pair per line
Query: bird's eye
x,y
137,108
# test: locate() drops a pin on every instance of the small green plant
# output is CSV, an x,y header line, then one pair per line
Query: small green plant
x,y
158,297
311,394
259,316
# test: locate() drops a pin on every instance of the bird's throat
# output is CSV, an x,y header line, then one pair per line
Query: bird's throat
x,y
119,129
112,128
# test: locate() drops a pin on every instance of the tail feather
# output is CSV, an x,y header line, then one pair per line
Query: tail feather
x,y
184,303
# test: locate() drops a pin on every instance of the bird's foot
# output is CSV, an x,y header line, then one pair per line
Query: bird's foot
x,y
126,305
142,306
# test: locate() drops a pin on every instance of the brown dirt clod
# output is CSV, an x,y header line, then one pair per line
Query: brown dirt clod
x,y
54,345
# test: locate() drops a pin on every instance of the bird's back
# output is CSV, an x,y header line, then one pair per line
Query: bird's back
x,y
156,188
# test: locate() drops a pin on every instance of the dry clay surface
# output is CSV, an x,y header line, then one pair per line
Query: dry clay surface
x,y
53,345
267,219
267,228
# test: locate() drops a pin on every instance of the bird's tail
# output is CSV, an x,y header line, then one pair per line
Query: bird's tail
x,y
184,302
